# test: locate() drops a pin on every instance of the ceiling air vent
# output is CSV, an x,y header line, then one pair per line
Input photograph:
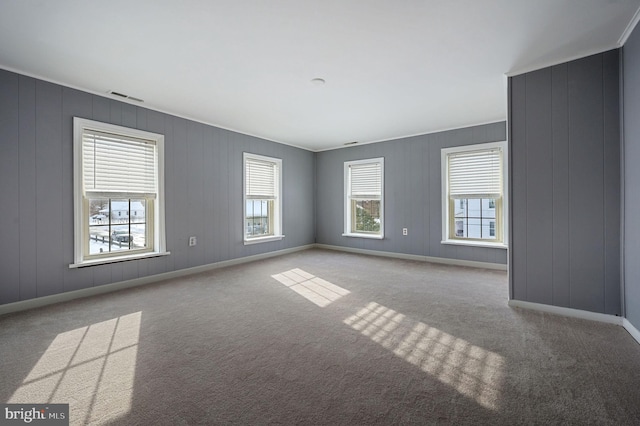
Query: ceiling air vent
x,y
122,95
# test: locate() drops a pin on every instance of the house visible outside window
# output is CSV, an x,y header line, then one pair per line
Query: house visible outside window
x,y
474,181
364,198
262,198
118,193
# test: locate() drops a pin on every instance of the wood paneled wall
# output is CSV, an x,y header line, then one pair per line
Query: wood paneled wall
x,y
564,124
413,194
203,189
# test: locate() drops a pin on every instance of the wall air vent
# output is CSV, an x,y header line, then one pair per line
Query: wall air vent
x,y
122,95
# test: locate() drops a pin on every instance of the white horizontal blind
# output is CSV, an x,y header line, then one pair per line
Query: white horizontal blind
x,y
115,164
366,181
475,174
260,179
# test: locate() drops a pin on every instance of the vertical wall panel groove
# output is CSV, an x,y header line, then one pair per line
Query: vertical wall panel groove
x,y
538,202
560,154
586,190
605,170
9,187
49,264
612,183
27,190
518,183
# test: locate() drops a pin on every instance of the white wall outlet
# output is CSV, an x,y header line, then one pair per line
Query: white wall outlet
x,y
192,241
405,231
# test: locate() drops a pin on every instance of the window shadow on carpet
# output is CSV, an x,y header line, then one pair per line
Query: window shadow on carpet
x,y
88,367
469,369
314,289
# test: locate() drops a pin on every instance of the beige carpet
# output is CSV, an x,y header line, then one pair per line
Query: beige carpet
x,y
320,337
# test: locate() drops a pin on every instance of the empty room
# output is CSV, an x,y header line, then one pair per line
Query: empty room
x,y
319,213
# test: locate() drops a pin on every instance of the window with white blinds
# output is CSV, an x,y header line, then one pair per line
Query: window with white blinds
x,y
260,178
118,193
475,174
113,164
262,220
366,180
364,205
473,188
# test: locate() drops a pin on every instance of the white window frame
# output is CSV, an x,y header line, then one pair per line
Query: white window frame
x,y
446,220
81,223
348,231
277,213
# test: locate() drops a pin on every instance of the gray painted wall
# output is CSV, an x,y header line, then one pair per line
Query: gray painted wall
x,y
631,108
412,191
203,178
565,185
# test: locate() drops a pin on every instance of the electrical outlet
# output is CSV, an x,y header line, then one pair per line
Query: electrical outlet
x,y
192,241
405,231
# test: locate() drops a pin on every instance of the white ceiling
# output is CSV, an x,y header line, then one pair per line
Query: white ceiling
x,y
392,68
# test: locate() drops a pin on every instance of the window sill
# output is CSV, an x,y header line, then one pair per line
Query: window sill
x,y
370,236
475,244
104,261
263,239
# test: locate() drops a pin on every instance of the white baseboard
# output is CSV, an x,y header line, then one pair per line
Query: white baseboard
x,y
567,312
108,288
442,260
634,332
577,313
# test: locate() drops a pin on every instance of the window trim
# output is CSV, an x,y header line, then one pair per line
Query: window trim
x,y
81,224
446,205
277,219
348,232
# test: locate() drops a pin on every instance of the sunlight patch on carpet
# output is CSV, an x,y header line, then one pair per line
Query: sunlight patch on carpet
x,y
90,368
471,370
314,289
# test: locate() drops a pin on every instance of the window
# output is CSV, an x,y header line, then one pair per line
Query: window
x,y
473,189
262,199
118,190
364,198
